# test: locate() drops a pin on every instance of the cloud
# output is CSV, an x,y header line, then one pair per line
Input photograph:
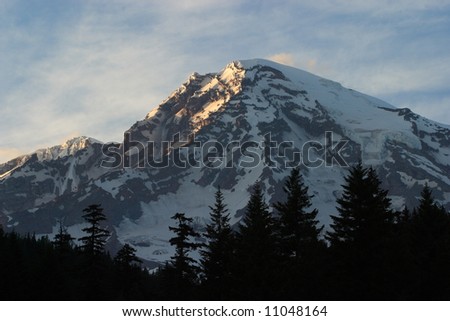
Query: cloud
x,y
283,58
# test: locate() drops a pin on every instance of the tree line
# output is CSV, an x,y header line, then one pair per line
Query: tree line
x,y
34,268
370,252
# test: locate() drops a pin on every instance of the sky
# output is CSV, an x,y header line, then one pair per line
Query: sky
x,y
93,68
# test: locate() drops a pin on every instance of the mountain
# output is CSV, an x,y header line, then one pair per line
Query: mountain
x,y
249,122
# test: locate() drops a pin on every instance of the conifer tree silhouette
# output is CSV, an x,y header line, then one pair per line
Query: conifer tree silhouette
x,y
256,250
218,252
95,240
298,227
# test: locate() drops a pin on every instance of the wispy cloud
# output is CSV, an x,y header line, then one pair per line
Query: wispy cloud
x,y
283,58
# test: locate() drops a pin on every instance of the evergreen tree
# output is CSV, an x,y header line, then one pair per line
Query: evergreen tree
x,y
364,210
430,245
361,240
129,275
62,241
402,217
301,249
298,227
183,267
95,240
218,252
126,257
256,253
96,273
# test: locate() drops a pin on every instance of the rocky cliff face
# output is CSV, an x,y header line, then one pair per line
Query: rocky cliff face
x,y
252,121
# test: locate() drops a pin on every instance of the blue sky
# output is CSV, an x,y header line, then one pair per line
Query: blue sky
x,y
93,68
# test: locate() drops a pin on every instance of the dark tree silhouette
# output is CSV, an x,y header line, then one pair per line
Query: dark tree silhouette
x,y
126,257
302,251
298,227
364,210
256,253
63,241
430,245
95,240
218,252
183,268
361,238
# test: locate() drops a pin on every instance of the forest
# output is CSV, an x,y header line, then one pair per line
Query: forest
x,y
277,252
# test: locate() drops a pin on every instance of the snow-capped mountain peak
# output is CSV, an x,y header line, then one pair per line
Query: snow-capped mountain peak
x,y
278,112
68,148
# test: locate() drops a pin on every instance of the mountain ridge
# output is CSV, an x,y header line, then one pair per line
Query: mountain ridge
x,y
228,129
